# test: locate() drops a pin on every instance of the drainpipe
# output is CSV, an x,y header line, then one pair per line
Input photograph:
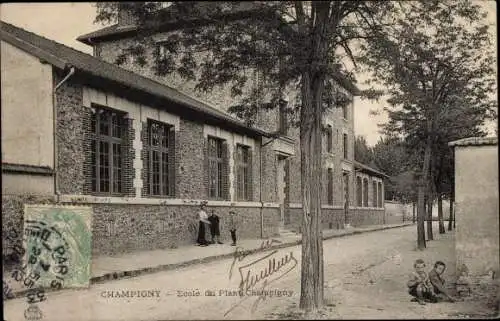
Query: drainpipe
x,y
274,137
54,113
260,194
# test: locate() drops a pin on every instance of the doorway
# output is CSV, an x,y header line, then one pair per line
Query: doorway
x,y
281,188
345,185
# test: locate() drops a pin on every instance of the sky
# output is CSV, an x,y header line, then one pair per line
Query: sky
x,y
64,22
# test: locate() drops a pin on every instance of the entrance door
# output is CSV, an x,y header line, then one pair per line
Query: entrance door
x,y
280,185
345,184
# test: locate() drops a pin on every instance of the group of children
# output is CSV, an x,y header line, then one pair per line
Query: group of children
x,y
213,221
428,287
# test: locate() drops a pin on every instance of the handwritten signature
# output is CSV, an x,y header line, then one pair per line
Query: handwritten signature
x,y
249,279
240,254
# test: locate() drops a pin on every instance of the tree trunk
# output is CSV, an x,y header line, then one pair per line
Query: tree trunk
x,y
430,234
311,296
413,209
422,185
450,219
440,214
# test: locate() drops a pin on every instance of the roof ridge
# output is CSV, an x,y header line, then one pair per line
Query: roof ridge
x,y
27,43
369,167
110,64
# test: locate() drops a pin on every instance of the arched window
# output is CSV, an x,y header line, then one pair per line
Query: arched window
x,y
359,192
365,192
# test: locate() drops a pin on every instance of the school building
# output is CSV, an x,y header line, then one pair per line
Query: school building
x,y
143,151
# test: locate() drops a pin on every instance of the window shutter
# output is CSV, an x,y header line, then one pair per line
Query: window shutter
x,y
206,174
249,178
171,161
236,169
145,158
225,171
127,158
324,190
87,148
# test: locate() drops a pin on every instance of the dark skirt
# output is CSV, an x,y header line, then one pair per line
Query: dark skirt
x,y
201,234
214,229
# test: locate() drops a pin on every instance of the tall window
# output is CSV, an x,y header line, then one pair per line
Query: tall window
x,y
215,167
330,186
374,193
345,109
329,134
380,196
108,128
359,192
365,192
159,167
345,145
243,173
283,121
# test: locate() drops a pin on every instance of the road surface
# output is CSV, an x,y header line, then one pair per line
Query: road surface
x,y
365,276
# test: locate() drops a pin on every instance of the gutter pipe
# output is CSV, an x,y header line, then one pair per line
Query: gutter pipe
x,y
54,129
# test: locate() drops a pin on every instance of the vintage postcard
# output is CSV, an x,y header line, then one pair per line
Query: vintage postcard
x,y
196,160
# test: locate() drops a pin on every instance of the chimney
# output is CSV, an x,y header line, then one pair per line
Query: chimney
x,y
125,15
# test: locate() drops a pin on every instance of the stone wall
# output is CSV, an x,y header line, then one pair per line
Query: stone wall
x,y
368,216
332,218
128,228
190,156
219,98
269,175
70,137
13,223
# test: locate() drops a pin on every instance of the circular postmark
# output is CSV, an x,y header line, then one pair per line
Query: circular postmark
x,y
45,261
33,313
47,254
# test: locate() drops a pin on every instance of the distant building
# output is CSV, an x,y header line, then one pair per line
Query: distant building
x,y
476,206
77,129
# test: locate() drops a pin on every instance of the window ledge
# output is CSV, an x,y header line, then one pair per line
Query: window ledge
x,y
90,199
27,169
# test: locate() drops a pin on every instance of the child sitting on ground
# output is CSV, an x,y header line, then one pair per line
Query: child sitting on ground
x,y
419,284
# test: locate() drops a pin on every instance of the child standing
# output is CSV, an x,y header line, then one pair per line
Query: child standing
x,y
214,227
203,219
419,284
232,227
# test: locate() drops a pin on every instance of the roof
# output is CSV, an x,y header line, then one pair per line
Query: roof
x,y
474,141
370,170
98,73
171,14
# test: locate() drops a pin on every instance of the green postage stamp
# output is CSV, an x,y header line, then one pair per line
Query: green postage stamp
x,y
58,243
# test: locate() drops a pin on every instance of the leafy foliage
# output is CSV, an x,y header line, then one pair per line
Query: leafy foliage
x,y
362,152
437,63
233,44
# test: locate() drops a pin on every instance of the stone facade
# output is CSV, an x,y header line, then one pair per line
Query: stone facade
x,y
132,219
340,121
13,222
119,228
155,225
